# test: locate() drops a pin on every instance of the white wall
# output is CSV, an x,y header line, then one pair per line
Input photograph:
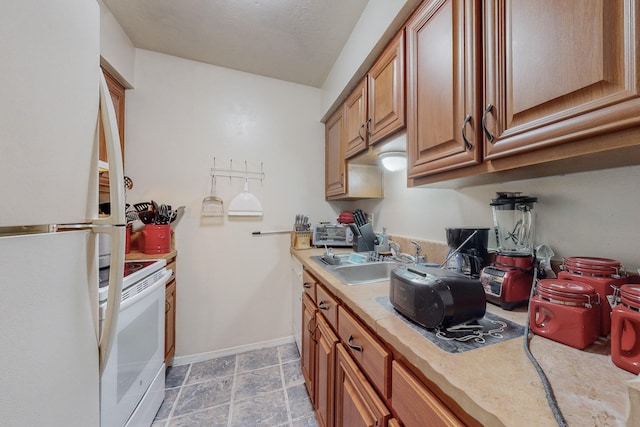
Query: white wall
x,y
117,53
233,288
586,214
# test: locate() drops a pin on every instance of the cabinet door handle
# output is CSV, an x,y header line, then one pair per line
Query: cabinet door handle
x,y
312,331
353,346
167,307
360,132
369,126
484,123
467,144
322,305
306,285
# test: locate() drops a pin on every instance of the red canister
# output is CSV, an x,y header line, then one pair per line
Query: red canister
x,y
565,311
625,330
601,273
157,239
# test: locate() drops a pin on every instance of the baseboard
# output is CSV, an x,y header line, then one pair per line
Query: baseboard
x,y
200,357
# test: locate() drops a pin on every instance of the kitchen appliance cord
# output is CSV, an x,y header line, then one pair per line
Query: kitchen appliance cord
x,y
548,391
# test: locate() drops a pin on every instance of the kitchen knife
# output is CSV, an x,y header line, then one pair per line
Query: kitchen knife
x,y
355,229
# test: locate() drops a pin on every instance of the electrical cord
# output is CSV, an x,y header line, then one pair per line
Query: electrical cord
x,y
548,391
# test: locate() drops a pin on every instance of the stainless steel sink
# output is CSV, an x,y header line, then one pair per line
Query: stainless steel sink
x,y
358,273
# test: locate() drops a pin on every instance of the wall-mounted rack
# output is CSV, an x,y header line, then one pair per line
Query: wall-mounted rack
x,y
236,173
243,204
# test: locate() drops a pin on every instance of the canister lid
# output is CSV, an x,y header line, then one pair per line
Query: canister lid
x,y
630,295
566,291
592,266
566,286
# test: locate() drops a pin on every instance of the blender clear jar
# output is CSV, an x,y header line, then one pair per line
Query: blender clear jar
x,y
513,218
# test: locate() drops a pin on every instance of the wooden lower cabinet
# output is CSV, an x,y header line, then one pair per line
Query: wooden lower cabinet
x,y
357,403
326,342
416,406
352,379
308,358
170,322
370,354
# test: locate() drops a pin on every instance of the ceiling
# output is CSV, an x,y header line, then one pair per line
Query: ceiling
x,y
292,40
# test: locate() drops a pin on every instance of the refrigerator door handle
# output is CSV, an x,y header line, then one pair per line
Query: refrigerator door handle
x,y
114,157
116,219
116,277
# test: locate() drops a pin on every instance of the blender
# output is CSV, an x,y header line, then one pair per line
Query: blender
x,y
507,281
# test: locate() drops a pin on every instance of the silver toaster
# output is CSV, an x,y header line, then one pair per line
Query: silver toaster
x,y
332,235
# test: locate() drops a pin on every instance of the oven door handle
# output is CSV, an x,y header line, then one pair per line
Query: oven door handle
x,y
160,282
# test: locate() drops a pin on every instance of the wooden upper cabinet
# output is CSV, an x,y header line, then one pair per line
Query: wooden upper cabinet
x,y
558,71
386,92
117,96
443,87
355,121
335,180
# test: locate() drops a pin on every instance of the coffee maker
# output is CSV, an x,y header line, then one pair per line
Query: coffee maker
x,y
467,250
508,280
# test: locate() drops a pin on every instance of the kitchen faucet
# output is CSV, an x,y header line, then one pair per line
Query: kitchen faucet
x,y
416,245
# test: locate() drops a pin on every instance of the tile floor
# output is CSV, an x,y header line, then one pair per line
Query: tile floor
x,y
258,388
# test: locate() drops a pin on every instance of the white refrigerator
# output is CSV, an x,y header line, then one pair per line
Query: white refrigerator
x,y
51,349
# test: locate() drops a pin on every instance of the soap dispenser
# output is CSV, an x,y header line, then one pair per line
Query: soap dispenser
x,y
383,241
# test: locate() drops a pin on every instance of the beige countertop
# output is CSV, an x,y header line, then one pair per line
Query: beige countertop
x,y
497,385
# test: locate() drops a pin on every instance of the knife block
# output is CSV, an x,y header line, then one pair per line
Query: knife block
x,y
360,244
301,239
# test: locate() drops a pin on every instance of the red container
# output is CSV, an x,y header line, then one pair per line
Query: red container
x,y
157,239
625,330
601,273
566,312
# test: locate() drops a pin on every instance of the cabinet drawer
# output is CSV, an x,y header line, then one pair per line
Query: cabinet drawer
x,y
328,306
414,404
309,285
366,350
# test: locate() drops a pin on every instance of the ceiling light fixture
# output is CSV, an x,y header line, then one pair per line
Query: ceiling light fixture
x,y
393,161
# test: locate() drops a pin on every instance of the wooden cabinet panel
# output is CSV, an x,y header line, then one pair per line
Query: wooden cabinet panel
x,y
355,121
328,306
309,285
335,180
117,96
443,87
307,358
416,406
356,402
370,354
170,322
558,71
325,373
385,92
